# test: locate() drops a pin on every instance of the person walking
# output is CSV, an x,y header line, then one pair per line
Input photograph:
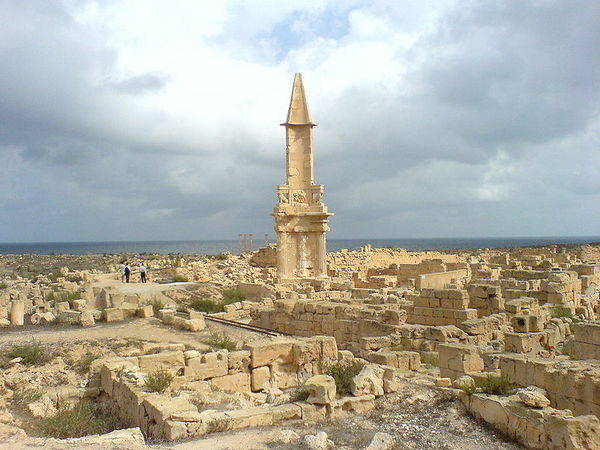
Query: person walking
x,y
142,269
127,272
122,270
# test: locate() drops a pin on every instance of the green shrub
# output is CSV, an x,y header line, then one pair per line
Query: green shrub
x,y
233,295
26,396
82,419
206,305
75,278
219,340
494,385
562,312
180,278
84,364
63,296
32,353
159,381
342,373
3,285
157,305
220,257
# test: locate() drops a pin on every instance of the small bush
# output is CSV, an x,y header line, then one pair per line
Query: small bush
x,y
157,305
494,385
182,309
32,353
562,312
75,278
299,394
220,257
84,364
342,373
217,425
180,278
233,295
159,381
82,419
218,340
3,285
26,396
206,305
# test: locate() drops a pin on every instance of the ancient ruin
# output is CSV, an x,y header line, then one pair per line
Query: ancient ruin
x,y
300,215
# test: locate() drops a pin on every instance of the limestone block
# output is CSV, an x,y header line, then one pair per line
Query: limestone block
x,y
368,381
287,411
250,417
283,376
239,361
381,441
260,378
145,311
86,319
321,389
209,365
71,317
62,306
172,361
195,324
581,432
238,382
318,441
47,318
534,396
174,430
265,353
113,315
79,305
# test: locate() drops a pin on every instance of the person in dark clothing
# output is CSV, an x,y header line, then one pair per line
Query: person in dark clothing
x,y
127,272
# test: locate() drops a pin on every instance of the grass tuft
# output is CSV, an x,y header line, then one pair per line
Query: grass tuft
x,y
82,419
32,353
206,305
233,295
84,364
26,396
219,340
299,394
157,305
3,285
342,373
491,385
180,278
159,381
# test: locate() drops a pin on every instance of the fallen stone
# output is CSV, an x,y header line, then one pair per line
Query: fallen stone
x,y
318,441
381,441
321,389
534,396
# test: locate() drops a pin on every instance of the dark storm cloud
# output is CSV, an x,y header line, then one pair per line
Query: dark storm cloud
x,y
487,131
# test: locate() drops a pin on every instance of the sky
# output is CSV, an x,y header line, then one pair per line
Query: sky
x,y
159,120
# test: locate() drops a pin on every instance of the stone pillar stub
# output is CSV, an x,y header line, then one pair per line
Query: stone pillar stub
x,y
17,312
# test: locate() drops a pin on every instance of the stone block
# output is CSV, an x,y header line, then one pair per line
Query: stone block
x,y
368,381
265,353
260,378
238,382
172,361
145,311
321,389
113,315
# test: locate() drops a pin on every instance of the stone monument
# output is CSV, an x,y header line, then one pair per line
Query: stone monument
x,y
300,215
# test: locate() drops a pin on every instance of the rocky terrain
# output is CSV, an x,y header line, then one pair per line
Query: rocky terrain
x,y
493,348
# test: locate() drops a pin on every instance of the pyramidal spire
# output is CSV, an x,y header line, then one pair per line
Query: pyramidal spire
x,y
298,114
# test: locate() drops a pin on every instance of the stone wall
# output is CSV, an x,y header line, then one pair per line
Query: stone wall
x,y
439,280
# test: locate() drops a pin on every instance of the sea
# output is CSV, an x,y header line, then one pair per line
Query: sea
x,y
213,247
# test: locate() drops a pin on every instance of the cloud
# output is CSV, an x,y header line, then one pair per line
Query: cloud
x,y
159,120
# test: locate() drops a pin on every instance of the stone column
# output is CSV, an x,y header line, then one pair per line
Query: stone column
x,y
282,255
17,312
320,253
302,255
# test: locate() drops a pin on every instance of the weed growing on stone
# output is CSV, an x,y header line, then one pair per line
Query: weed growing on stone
x,y
562,312
84,364
299,394
159,381
342,373
32,353
217,425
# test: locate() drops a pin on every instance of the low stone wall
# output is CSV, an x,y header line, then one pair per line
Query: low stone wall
x,y
440,307
586,341
439,280
537,428
346,322
573,385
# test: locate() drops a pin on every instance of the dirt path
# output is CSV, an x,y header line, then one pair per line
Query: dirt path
x,y
143,329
